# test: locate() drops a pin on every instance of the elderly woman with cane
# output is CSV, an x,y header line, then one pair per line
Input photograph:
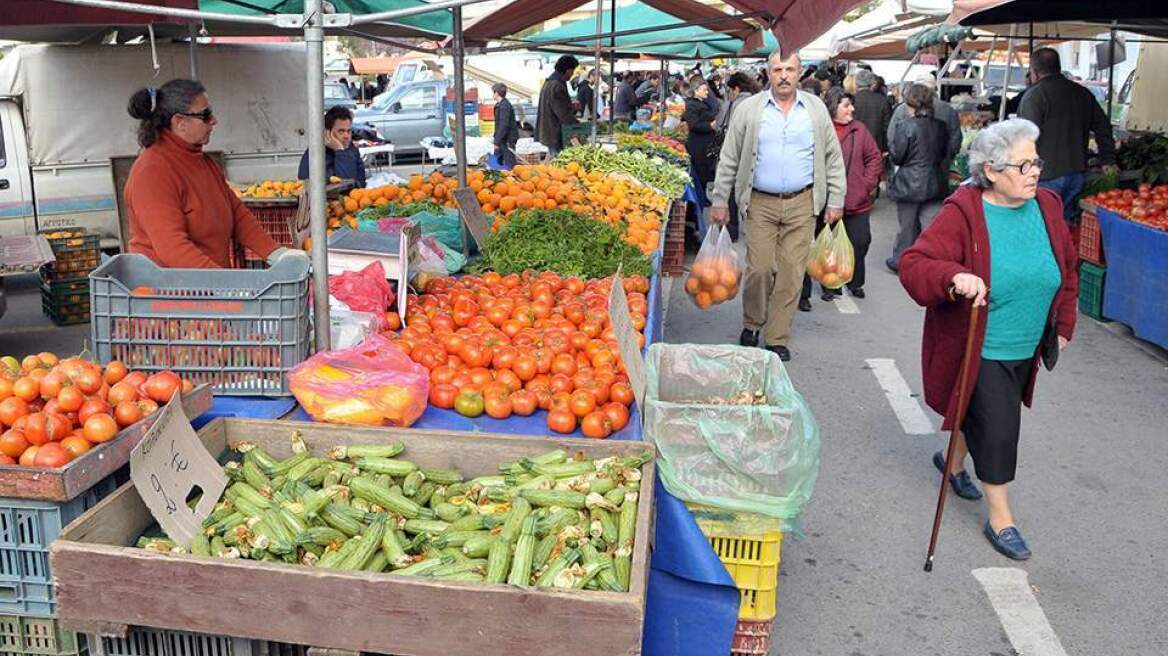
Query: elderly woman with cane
x,y
999,242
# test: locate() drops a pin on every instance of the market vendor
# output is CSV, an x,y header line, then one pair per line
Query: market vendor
x,y
182,212
341,157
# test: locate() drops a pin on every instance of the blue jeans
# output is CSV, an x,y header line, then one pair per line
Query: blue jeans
x,y
1068,187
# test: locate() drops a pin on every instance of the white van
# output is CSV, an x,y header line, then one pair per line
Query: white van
x,y
63,117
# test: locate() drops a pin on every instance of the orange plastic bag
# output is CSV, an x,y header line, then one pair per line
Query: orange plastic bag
x,y
832,260
372,384
716,271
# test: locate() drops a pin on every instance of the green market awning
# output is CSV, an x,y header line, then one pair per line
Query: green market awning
x,y
434,23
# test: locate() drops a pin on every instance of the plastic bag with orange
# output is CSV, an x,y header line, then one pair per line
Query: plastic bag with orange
x,y
716,272
372,384
832,260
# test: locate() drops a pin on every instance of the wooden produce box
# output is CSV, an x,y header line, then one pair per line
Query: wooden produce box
x,y
72,480
342,610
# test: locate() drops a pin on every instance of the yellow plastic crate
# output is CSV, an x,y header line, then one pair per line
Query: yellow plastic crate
x,y
752,558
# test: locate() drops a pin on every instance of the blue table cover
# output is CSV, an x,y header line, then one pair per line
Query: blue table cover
x,y
1136,289
245,407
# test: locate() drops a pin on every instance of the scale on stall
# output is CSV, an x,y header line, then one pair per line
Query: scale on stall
x,y
353,250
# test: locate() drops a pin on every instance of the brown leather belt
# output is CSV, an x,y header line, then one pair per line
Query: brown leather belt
x,y
784,196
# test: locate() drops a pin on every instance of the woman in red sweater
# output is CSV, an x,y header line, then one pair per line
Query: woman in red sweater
x,y
182,212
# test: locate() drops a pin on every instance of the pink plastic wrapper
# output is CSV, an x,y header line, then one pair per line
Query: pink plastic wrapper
x,y
372,384
366,290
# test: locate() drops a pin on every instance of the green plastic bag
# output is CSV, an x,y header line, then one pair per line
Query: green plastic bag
x,y
759,456
445,227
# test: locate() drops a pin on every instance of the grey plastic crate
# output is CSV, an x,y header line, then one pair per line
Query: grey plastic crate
x,y
27,528
143,641
36,636
239,330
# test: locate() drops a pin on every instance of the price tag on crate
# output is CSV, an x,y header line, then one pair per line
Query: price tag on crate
x,y
472,215
170,465
626,338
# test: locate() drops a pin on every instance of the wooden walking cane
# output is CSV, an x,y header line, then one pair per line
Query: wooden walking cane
x,y
958,419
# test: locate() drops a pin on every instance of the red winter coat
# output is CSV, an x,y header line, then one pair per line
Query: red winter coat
x,y
957,242
864,165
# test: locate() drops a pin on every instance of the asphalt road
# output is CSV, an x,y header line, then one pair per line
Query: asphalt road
x,y
1089,496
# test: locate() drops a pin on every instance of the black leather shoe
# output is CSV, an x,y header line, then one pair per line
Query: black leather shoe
x,y
1008,542
827,296
748,338
858,292
782,351
804,305
961,483
892,265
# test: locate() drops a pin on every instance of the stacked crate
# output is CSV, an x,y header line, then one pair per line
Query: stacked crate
x,y
65,283
273,215
751,556
673,253
1092,265
28,623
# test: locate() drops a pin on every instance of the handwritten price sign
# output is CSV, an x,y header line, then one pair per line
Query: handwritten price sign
x,y
169,466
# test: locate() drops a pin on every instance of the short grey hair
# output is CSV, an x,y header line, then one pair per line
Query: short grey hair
x,y
778,54
865,79
992,146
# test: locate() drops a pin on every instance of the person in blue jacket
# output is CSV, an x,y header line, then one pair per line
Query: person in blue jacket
x,y
341,157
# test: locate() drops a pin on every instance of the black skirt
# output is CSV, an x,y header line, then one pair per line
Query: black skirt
x,y
994,418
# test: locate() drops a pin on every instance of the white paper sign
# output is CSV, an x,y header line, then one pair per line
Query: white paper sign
x,y
626,337
167,466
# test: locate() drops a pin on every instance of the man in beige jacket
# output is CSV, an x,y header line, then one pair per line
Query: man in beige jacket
x,y
782,159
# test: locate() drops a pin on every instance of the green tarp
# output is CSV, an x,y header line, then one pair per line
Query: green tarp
x,y
689,42
435,22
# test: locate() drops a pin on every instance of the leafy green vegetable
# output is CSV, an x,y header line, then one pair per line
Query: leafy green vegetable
x,y
374,212
569,243
651,170
1148,153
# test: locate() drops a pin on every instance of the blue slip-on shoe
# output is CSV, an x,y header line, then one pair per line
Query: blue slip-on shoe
x,y
1008,542
961,483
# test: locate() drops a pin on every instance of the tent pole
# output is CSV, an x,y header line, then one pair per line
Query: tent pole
x,y
194,50
611,62
1006,75
596,62
1111,71
661,97
1030,43
459,98
314,42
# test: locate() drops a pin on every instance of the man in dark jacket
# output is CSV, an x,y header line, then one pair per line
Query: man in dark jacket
x,y
506,127
625,102
872,108
341,157
586,94
555,106
1067,115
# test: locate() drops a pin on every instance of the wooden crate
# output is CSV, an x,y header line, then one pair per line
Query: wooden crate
x,y
75,478
333,609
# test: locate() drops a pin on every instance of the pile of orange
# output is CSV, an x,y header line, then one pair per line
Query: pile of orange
x,y
713,280
639,210
54,410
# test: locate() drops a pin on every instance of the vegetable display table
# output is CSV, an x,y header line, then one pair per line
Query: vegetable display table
x,y
1136,288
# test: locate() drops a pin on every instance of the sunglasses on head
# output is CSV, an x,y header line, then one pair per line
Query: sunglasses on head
x,y
205,116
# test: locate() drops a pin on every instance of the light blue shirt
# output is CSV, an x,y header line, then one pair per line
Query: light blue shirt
x,y
786,148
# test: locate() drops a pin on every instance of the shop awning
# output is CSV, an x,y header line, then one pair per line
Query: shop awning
x,y
42,20
1063,18
435,23
798,22
520,15
685,42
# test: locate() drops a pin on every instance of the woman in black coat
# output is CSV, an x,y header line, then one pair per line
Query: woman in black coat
x,y
700,117
918,148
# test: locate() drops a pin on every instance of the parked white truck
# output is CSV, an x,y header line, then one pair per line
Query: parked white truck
x,y
63,117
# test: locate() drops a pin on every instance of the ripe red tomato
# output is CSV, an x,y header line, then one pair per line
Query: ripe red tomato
x,y
622,393
13,443
582,403
595,425
100,428
617,414
91,407
126,413
442,395
499,406
161,386
52,455
561,421
524,403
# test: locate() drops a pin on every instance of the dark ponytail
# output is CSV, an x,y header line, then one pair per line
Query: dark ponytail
x,y
154,107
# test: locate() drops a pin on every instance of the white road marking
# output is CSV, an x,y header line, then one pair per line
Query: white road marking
x,y
906,406
1021,616
846,305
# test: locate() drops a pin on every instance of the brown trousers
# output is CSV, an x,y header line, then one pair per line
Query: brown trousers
x,y
778,239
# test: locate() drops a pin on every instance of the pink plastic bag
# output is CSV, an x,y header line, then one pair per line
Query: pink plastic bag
x,y
366,290
372,384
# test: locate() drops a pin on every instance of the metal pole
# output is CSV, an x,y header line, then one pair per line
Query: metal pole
x,y
596,61
314,40
193,32
611,61
1006,75
1111,71
1030,44
661,98
459,99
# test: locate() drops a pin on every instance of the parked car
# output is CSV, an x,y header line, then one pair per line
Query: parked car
x,y
408,113
337,95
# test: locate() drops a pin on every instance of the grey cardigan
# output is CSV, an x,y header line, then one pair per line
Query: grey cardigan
x,y
740,151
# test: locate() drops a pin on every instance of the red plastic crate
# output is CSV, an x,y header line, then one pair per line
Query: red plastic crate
x,y
273,216
1090,239
752,637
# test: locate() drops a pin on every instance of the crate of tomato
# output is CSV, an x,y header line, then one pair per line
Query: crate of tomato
x,y
1147,205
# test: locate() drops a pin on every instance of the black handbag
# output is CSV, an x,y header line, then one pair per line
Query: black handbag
x,y
1048,348
714,149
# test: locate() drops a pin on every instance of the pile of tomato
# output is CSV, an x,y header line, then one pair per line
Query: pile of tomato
x,y
54,410
1147,205
515,344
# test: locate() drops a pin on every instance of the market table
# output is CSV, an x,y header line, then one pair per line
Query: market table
x,y
1136,288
